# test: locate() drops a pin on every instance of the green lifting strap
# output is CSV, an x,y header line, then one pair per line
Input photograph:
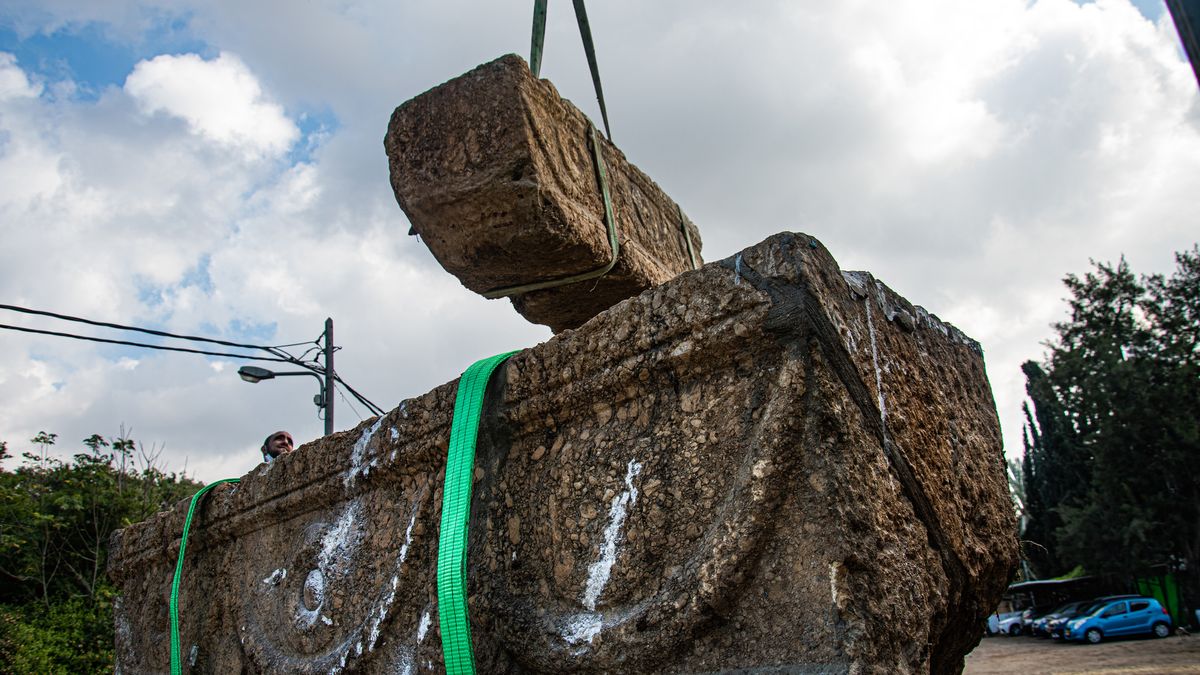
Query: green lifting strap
x,y
585,32
539,36
589,48
176,666
456,510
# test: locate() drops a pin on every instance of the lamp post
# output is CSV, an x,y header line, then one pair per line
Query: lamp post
x,y
324,399
329,384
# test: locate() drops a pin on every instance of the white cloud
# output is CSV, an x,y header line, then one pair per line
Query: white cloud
x,y
220,100
13,81
969,154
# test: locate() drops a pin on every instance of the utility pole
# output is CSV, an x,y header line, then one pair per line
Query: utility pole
x,y
329,380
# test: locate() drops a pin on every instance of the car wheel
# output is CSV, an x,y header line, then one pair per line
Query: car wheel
x,y
1094,635
1161,630
1014,629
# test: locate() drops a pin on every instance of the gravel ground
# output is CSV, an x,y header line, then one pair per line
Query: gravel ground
x,y
1020,655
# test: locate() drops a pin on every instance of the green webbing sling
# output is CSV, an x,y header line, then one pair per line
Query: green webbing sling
x,y
456,509
176,667
589,48
539,37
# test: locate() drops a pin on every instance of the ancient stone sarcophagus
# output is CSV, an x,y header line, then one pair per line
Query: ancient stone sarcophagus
x,y
765,464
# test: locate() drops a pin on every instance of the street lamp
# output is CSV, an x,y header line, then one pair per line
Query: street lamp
x,y
254,375
324,400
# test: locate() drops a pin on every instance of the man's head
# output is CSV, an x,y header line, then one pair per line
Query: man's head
x,y
277,444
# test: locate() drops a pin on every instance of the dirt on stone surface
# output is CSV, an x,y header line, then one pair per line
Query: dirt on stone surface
x,y
764,463
1172,656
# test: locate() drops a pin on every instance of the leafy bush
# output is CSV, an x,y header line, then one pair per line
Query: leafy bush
x,y
56,518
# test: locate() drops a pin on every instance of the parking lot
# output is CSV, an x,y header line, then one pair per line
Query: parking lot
x,y
1010,655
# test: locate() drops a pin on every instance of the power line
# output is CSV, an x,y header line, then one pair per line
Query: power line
x,y
148,331
362,399
278,353
144,345
350,405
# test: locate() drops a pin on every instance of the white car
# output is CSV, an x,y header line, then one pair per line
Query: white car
x,y
1008,623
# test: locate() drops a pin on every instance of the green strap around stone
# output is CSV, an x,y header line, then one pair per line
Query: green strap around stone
x,y
176,665
589,49
453,620
539,37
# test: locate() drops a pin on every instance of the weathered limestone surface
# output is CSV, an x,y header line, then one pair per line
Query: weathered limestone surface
x,y
765,463
494,171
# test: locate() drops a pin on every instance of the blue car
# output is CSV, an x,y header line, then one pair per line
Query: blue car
x,y
1135,616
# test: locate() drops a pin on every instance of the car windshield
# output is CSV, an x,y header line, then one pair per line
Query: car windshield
x,y
1102,607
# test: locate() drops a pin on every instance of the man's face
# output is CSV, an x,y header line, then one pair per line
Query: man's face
x,y
280,443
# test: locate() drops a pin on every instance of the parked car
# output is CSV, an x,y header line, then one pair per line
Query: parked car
x,y
1135,616
1041,625
1056,626
1010,624
1033,614
995,620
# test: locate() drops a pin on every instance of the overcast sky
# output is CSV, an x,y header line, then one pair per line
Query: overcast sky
x,y
217,168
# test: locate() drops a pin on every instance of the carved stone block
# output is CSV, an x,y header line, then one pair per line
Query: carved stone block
x,y
764,464
494,171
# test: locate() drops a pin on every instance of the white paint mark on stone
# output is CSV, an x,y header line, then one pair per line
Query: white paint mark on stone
x,y
737,270
379,613
407,537
337,545
600,570
833,583
875,362
340,540
276,577
582,627
395,434
423,626
314,590
356,456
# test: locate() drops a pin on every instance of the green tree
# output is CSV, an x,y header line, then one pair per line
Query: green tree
x,y
56,518
1112,465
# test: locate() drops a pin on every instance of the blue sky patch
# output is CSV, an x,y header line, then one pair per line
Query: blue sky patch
x,y
1151,9
89,57
315,126
198,276
252,332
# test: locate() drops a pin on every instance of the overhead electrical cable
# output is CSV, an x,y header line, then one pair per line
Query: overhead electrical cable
x,y
350,404
136,329
277,352
145,345
362,399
